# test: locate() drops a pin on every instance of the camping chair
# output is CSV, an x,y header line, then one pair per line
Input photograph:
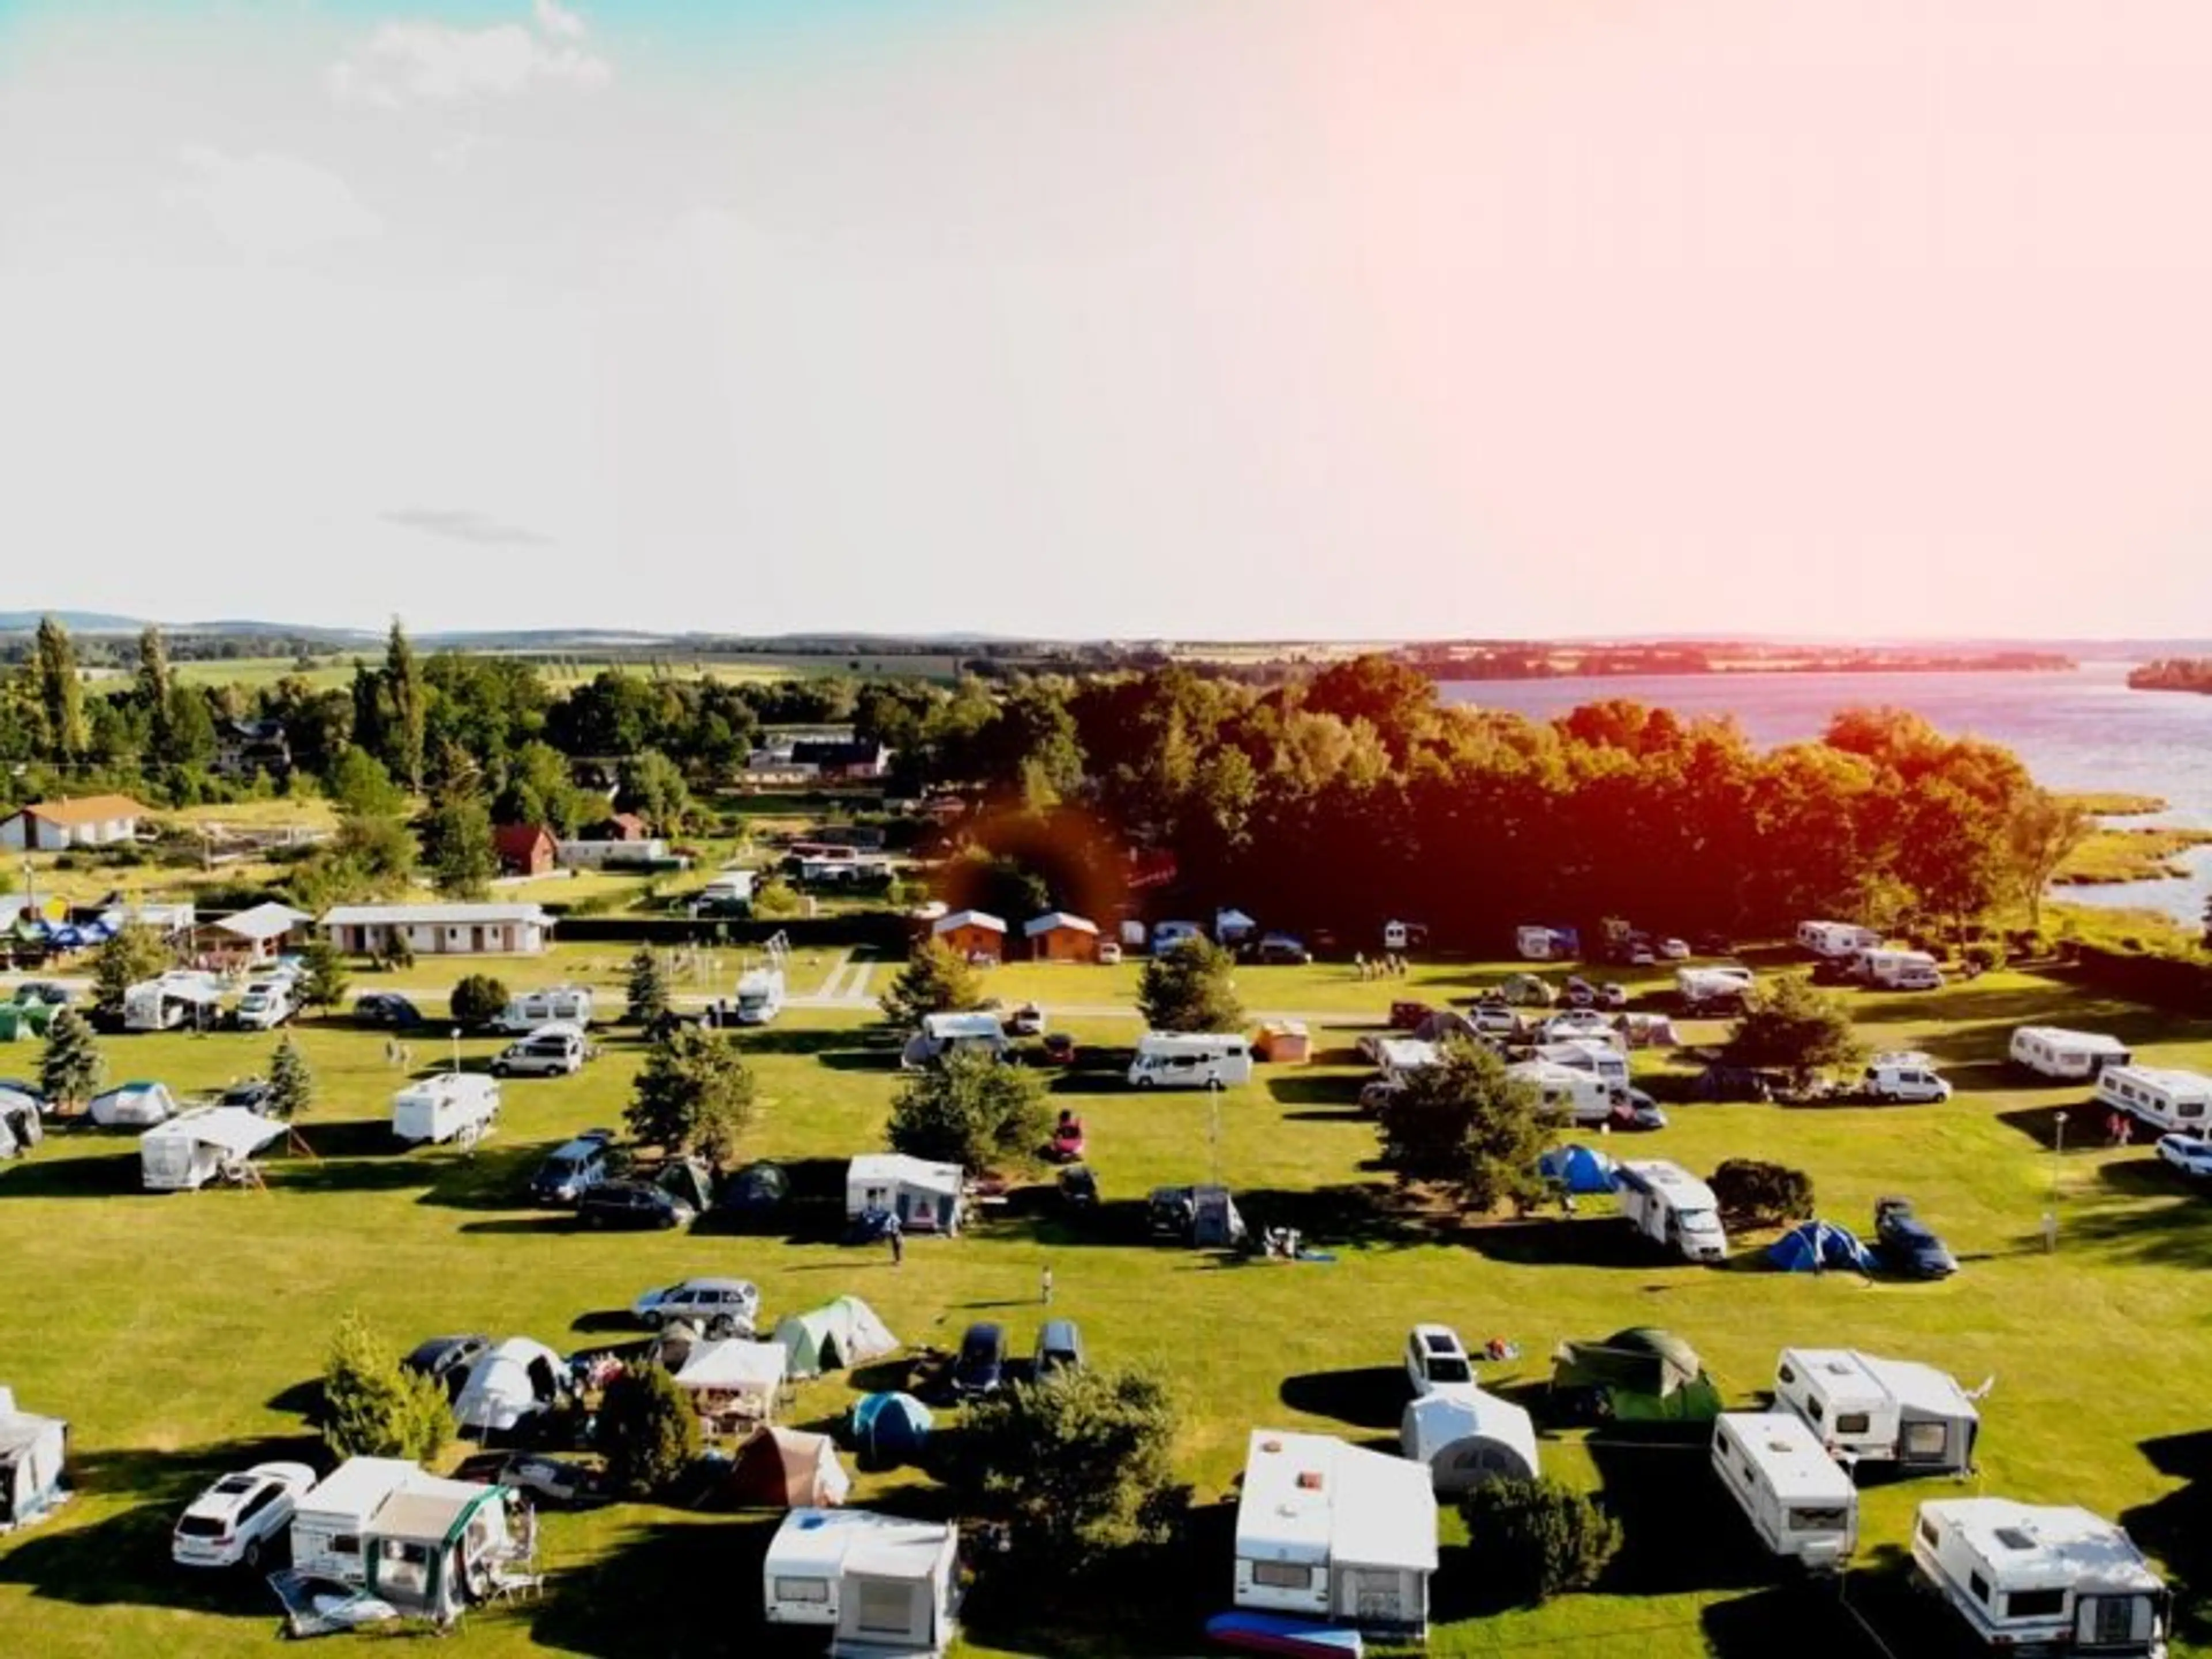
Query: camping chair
x,y
241,1172
508,1584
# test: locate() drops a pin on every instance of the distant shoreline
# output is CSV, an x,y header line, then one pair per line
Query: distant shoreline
x,y
1653,665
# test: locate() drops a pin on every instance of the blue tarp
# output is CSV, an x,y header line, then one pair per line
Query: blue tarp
x,y
1578,1168
888,1429
1811,1245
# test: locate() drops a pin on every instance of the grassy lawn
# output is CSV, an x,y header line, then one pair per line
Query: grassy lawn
x,y
323,674
176,1332
2130,855
602,964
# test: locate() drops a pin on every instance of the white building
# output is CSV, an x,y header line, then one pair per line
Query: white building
x,y
440,929
56,825
1332,1531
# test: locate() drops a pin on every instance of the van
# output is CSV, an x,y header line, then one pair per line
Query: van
x,y
549,1051
446,1106
571,1170
567,1005
2065,1056
1906,1078
1705,990
1898,970
1190,1060
266,1004
2164,1100
1059,1348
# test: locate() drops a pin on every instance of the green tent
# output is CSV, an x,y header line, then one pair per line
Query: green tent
x,y
11,1023
1637,1375
834,1336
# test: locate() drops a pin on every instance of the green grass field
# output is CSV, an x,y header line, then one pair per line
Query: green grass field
x,y
176,1332
324,672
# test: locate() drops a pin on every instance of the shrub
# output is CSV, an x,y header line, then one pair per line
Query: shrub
x,y
647,1432
1187,987
1752,1193
371,1407
936,980
1982,958
1532,1540
400,952
478,999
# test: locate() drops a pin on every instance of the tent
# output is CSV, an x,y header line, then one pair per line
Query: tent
x,y
757,1190
1468,1439
1578,1168
734,1379
1637,1376
1813,1245
132,1105
509,1385
785,1469
20,1128
834,1336
688,1180
31,1452
887,1430
1215,1223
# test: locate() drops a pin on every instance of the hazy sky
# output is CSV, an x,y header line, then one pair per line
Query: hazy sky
x,y
1208,318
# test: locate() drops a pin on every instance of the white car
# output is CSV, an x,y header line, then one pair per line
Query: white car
x,y
235,1520
1436,1363
2188,1154
1674,950
706,1302
1110,954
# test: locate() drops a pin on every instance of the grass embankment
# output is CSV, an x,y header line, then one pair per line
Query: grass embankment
x,y
2116,803
2110,856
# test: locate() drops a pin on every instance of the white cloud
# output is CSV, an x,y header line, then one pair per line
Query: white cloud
x,y
405,63
556,21
270,206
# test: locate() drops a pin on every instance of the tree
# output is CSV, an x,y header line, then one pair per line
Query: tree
x,y
372,1408
458,846
191,736
61,694
2041,835
1793,1027
324,985
153,686
477,1000
1752,1193
692,1094
936,980
291,1084
71,1070
1079,1465
1530,1541
648,988
360,785
652,787
648,1431
1186,988
125,957
410,710
1466,1125
972,1110
774,901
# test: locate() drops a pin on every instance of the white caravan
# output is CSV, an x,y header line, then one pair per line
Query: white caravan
x,y
328,1523
1900,971
1539,944
193,1148
875,1583
759,996
1600,1060
444,1106
563,1005
941,1034
1399,1058
1671,1207
1837,940
1864,1408
2167,1101
1701,986
1797,1498
2056,1580
1577,1091
172,1000
1329,1530
2066,1056
1190,1060
266,1004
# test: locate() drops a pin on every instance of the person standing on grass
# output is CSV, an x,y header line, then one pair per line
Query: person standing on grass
x,y
1044,1285
896,1234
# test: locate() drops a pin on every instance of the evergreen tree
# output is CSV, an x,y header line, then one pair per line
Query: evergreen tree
x,y
458,846
125,957
71,1070
1187,987
61,694
410,706
476,1000
372,1408
692,1094
291,1084
324,986
648,1431
1795,1028
936,980
1467,1126
153,686
648,988
972,1110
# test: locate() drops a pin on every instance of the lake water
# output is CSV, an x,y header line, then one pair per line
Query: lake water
x,y
2082,730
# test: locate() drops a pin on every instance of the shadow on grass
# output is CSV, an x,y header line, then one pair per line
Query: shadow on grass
x,y
2174,1229
1371,1397
1584,1242
546,1225
2085,1124
104,1176
879,1043
1367,1213
2177,1528
359,1137
1680,1531
1748,1626
1339,1095
660,1588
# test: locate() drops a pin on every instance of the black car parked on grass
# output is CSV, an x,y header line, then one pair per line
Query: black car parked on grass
x,y
1907,1244
387,1009
980,1367
630,1204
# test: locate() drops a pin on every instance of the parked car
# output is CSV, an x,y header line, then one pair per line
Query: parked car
x,y
1406,1016
561,1482
549,1051
237,1520
1437,1362
708,1302
1110,954
1636,1110
979,1367
1058,1049
1078,1187
388,1009
1641,956
1715,945
1674,950
1059,1348
447,1359
1907,1244
1495,1019
2186,1153
1281,950
632,1204
571,1170
1028,1020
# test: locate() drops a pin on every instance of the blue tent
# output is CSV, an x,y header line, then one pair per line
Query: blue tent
x,y
1813,1245
1578,1168
888,1429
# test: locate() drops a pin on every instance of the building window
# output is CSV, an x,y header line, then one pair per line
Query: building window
x,y
1281,1575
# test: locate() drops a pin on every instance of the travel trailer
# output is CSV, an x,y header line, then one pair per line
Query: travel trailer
x,y
941,1034
1537,943
33,1453
759,997
1797,1498
1332,1531
1577,1091
926,1197
2164,1100
1600,1060
1190,1060
1670,1206
170,1000
193,1148
1898,970
1701,988
564,1005
328,1524
1864,1408
434,1545
2055,1580
1837,940
874,1583
444,1106
2066,1056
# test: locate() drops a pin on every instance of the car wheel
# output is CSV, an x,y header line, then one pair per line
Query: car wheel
x,y
1143,1082
252,1557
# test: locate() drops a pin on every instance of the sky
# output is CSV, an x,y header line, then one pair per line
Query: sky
x,y
1199,319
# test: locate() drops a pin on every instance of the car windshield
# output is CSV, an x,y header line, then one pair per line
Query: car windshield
x,y
1448,1371
232,1485
978,1350
1699,1221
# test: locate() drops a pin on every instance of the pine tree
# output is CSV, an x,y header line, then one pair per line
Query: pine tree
x,y
648,988
71,1070
403,686
457,845
61,695
291,1084
936,980
154,682
371,1407
325,983
125,959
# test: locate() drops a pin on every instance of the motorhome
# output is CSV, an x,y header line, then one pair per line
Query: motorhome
x,y
172,1000
1191,1059
874,1583
759,997
1865,1409
566,1005
1702,989
1670,1206
1600,1060
2163,1099
1577,1091
267,1004
1332,1531
2066,1056
444,1106
1898,970
2030,1579
193,1148
942,1034
1537,943
1798,1500
1836,939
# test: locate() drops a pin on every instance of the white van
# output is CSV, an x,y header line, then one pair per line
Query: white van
x,y
1671,1207
1908,1077
440,1107
1900,971
2168,1101
568,1004
1798,1500
2067,1056
1190,1060
760,996
554,1050
266,1004
1836,939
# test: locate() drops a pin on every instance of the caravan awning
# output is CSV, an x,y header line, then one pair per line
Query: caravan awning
x,y
232,1129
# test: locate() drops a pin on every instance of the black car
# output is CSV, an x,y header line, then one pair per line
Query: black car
x,y
980,1367
574,1169
447,1359
1907,1244
254,1093
630,1204
1169,1212
388,1009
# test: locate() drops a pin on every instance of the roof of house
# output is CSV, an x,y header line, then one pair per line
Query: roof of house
x,y
1313,1499
355,916
628,824
982,919
1053,920
264,922
86,809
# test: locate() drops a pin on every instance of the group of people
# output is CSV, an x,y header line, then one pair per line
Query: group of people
x,y
2119,1129
1390,965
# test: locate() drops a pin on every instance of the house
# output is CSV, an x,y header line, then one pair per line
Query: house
x,y
524,849
840,757
925,1197
32,1452
244,748
252,936
56,825
874,1583
619,826
1059,935
1328,1530
973,934
440,929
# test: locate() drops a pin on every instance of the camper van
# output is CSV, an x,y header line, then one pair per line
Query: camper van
x,y
1835,939
2028,1578
1798,1500
2066,1056
266,1004
193,1148
327,1523
1190,1060
874,1583
760,996
566,1005
1577,1091
554,1050
1898,970
941,1034
2168,1101
170,1001
1705,988
446,1105
1670,1206
1905,1077
1865,1409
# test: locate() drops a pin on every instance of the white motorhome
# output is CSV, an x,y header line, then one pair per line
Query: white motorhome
x,y
1700,987
2056,1580
1797,1498
729,894
1671,1207
1191,1059
2162,1098
1836,939
328,1523
877,1583
564,1005
1336,1532
759,996
1905,1077
170,1001
1900,971
1600,1060
1577,1091
266,1004
1865,1409
941,1034
193,1148
445,1105
1539,944
2066,1056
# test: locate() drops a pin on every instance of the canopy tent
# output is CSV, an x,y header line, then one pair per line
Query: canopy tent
x,y
1639,1374
888,1429
32,1450
785,1469
834,1336
1467,1440
734,1379
1577,1169
1813,1245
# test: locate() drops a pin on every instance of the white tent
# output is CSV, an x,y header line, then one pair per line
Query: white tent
x,y
834,1336
191,1150
31,1452
734,1379
133,1106
1468,1439
511,1383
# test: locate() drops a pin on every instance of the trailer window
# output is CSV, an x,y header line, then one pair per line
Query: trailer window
x,y
802,1590
1822,1518
1813,1410
1927,1533
1853,1423
1980,1586
345,1543
1926,1440
2035,1604
1281,1575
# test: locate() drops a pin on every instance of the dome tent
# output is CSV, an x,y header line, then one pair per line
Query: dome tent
x,y
1469,1440
888,1429
834,1336
1813,1245
1641,1375
1578,1168
787,1469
